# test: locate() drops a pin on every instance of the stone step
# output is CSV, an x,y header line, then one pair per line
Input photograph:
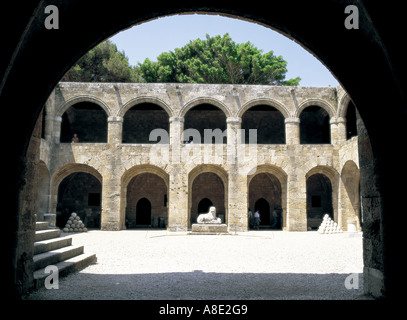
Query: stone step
x,y
64,268
51,244
46,234
43,225
52,257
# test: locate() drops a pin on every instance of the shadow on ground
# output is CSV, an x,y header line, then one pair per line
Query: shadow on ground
x,y
198,285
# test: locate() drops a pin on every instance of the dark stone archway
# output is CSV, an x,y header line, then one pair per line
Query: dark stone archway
x,y
369,63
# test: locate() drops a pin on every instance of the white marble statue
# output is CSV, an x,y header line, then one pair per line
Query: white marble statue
x,y
209,217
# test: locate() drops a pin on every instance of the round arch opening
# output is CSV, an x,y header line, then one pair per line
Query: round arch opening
x,y
265,194
319,200
85,119
79,192
146,202
314,126
207,188
207,120
140,120
269,123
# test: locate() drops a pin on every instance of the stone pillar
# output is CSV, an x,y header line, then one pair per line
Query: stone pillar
x,y
175,134
292,131
178,199
338,131
56,128
49,118
111,218
296,217
372,213
237,201
234,125
114,129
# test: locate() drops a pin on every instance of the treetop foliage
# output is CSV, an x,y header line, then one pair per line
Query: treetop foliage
x,y
213,60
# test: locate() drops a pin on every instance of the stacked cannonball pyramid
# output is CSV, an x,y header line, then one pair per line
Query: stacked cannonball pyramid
x,y
329,226
74,224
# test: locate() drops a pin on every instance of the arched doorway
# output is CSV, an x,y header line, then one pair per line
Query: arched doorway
x,y
143,212
266,194
79,192
207,189
319,200
264,209
146,201
296,24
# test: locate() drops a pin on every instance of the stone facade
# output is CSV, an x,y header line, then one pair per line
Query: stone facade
x,y
171,175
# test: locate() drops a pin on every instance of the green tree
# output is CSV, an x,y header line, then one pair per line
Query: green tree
x,y
217,60
103,63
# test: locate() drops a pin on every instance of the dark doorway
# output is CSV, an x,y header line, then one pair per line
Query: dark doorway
x,y
264,209
204,205
79,192
319,200
143,212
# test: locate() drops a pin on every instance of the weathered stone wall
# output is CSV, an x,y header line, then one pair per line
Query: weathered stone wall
x,y
116,163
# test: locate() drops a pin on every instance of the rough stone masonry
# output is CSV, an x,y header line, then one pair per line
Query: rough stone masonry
x,y
131,143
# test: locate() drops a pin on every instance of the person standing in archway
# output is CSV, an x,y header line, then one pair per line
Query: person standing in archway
x,y
75,138
275,218
257,219
250,216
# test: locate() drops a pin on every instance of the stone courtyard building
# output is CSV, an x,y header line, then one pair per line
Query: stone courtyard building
x,y
289,149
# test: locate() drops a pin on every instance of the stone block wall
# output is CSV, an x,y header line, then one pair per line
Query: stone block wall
x,y
180,166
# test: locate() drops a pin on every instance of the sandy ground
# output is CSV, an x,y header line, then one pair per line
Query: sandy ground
x,y
256,265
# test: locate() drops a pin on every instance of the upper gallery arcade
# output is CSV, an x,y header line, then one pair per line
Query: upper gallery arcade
x,y
289,149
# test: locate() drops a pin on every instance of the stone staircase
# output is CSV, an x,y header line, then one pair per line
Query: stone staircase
x,y
51,249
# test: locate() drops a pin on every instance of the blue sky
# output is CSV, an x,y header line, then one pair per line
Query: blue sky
x,y
151,38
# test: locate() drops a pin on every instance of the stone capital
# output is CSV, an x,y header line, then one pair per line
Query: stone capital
x,y
233,120
292,120
176,119
115,119
338,120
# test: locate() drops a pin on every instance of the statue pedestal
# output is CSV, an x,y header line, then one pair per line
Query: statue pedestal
x,y
209,228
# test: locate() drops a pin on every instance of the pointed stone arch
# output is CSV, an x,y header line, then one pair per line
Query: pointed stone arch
x,y
153,183
278,174
219,177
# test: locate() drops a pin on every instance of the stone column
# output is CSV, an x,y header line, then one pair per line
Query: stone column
x,y
178,199
176,130
296,217
234,125
114,129
55,123
237,201
111,219
338,131
237,179
292,131
49,117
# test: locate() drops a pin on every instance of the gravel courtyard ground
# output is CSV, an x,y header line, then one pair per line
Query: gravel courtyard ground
x,y
260,265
